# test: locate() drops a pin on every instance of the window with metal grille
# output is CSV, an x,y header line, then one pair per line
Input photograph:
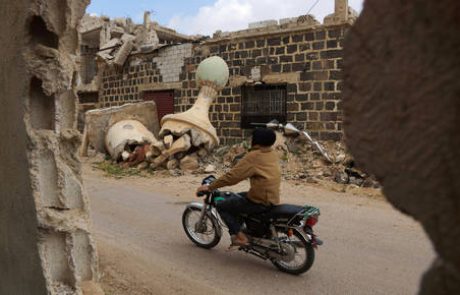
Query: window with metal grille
x,y
262,103
88,64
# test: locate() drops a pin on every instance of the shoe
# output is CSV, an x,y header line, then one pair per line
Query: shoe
x,y
239,239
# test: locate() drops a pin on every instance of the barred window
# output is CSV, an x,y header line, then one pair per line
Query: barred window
x,y
262,103
88,63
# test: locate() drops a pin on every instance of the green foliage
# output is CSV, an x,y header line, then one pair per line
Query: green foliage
x,y
285,156
115,170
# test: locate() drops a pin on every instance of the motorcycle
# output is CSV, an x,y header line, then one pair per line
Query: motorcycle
x,y
283,234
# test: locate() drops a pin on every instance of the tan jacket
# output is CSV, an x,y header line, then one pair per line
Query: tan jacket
x,y
262,168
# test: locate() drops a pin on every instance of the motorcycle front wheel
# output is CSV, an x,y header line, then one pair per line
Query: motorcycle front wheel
x,y
205,234
299,254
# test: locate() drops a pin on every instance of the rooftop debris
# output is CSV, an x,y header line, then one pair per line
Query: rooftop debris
x,y
118,38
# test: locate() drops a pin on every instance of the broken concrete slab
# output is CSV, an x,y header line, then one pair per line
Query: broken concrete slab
x,y
180,145
123,53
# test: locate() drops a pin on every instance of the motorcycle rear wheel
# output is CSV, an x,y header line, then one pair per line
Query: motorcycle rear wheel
x,y
301,247
209,236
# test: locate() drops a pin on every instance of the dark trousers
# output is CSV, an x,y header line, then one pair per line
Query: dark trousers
x,y
234,205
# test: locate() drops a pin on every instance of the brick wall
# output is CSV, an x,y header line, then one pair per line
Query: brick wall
x,y
159,70
118,88
307,61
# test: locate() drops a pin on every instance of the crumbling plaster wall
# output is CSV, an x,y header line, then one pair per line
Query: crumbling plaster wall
x,y
402,106
45,241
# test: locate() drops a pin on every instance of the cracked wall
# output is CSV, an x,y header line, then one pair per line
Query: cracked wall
x,y
45,241
402,105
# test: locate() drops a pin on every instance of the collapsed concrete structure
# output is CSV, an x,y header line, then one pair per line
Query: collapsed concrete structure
x,y
402,118
98,122
288,70
129,133
106,43
45,241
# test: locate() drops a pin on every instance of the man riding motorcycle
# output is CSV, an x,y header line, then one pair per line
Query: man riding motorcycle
x,y
261,166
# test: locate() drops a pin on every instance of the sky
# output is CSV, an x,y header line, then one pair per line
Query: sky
x,y
207,16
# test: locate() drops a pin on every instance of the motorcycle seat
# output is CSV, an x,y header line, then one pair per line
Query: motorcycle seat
x,y
283,211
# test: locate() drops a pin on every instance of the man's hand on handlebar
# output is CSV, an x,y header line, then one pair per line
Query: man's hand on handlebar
x,y
202,189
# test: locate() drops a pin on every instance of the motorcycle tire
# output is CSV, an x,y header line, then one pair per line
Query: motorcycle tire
x,y
306,265
193,236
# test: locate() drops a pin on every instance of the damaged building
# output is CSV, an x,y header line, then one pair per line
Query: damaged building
x,y
289,70
106,44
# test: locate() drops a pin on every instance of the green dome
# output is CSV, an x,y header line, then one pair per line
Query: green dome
x,y
213,69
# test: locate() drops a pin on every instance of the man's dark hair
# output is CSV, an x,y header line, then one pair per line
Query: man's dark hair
x,y
263,137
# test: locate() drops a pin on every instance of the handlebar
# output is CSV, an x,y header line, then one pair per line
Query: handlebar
x,y
202,194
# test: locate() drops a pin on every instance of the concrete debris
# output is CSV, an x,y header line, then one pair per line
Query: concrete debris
x,y
291,130
190,163
116,39
168,140
123,52
191,131
202,153
97,123
301,161
210,169
172,164
131,136
180,145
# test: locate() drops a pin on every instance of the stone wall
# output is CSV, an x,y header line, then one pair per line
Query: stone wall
x,y
402,106
306,59
308,62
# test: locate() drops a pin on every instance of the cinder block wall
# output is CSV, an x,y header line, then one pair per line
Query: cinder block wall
x,y
45,241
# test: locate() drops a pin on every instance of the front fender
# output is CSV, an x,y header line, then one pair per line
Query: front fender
x,y
213,211
196,205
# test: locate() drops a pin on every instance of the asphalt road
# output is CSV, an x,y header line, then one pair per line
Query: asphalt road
x,y
369,247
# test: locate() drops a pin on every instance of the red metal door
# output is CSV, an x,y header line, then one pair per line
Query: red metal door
x,y
164,101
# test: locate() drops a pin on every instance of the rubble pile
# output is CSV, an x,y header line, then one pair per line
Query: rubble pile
x,y
301,161
184,140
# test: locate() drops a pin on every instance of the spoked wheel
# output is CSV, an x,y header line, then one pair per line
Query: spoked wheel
x,y
298,254
205,234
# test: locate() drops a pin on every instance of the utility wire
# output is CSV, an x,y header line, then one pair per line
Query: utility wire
x,y
304,18
313,6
